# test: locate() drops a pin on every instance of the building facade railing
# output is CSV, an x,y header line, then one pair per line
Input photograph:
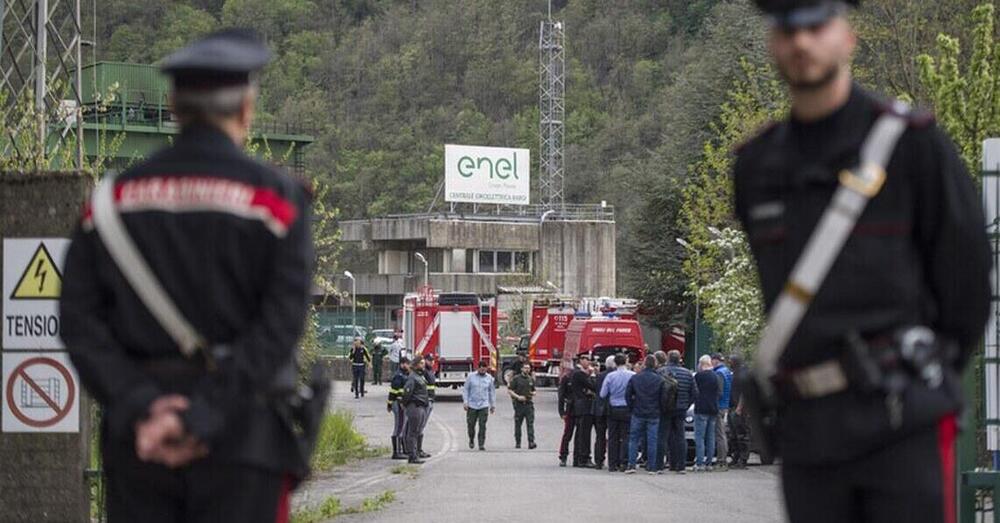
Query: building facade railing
x,y
518,213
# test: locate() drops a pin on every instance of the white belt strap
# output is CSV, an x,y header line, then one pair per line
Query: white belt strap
x,y
137,272
827,241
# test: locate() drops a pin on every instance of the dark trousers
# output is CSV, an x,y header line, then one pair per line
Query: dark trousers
x,y
202,492
739,438
618,425
358,381
676,443
911,480
569,425
661,442
524,413
600,438
474,417
581,447
377,372
414,422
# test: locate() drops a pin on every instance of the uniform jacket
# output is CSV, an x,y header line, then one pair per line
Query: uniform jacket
x,y
229,240
431,383
415,390
360,355
523,385
396,386
918,255
584,391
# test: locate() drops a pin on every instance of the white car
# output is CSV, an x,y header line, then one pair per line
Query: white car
x,y
382,337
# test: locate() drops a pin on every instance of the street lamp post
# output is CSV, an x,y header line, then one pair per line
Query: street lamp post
x,y
354,304
541,242
697,298
424,260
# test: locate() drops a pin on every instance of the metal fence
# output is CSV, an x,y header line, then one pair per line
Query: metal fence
x,y
519,213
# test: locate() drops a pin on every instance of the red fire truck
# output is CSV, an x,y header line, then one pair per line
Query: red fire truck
x,y
549,320
459,329
600,337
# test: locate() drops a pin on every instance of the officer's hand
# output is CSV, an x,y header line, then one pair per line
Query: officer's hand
x,y
492,410
181,453
170,402
154,433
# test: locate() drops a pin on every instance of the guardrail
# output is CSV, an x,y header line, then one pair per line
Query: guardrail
x,y
519,213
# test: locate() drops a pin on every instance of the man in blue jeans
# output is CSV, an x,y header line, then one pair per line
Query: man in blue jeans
x,y
646,395
706,408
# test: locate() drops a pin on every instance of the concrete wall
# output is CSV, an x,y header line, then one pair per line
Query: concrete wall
x,y
454,234
579,257
42,475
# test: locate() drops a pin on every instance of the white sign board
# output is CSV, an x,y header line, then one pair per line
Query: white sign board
x,y
491,175
32,282
40,393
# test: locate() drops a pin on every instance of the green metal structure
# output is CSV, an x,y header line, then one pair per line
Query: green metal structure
x,y
126,118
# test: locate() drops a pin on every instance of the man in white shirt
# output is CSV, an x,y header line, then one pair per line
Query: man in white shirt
x,y
479,400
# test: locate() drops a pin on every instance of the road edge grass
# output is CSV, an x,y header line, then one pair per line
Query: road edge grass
x,y
339,443
331,508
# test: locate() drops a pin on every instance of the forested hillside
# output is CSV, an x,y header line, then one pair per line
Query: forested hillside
x,y
385,83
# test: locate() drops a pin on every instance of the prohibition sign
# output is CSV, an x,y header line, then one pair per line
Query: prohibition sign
x,y
20,372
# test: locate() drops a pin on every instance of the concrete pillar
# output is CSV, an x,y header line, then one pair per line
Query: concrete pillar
x,y
42,475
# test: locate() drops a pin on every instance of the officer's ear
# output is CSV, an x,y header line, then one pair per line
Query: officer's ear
x,y
248,106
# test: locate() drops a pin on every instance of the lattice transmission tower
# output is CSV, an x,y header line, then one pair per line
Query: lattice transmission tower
x,y
40,79
552,110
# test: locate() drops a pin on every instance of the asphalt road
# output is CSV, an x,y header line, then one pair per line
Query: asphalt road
x,y
505,484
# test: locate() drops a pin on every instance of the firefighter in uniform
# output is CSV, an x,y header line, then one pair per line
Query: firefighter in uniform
x,y
395,406
431,379
228,239
865,389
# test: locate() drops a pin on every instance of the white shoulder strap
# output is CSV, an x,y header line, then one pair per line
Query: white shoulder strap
x,y
137,272
827,241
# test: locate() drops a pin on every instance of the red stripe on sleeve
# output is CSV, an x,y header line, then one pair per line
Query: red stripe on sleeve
x,y
947,430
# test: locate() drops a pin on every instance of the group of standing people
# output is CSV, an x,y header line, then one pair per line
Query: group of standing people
x,y
639,415
411,401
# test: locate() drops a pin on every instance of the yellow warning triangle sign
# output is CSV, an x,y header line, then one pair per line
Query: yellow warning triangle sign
x,y
41,279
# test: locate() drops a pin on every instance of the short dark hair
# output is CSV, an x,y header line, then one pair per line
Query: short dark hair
x,y
620,359
661,357
583,357
417,359
483,363
650,361
674,356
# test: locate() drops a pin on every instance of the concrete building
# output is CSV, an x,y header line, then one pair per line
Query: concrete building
x,y
514,252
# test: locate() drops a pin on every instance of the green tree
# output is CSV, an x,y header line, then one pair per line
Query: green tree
x,y
965,91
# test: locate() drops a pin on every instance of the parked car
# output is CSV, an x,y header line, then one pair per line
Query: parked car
x,y
382,336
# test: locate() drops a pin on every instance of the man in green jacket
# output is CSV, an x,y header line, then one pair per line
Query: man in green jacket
x,y
522,392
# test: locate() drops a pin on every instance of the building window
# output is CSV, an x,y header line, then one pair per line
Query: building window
x,y
487,261
521,262
505,261
499,262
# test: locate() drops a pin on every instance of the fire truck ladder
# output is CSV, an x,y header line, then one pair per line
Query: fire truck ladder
x,y
485,326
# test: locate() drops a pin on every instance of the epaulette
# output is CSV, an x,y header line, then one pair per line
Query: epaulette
x,y
916,118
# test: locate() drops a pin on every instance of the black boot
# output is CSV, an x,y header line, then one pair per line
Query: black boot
x,y
420,448
397,448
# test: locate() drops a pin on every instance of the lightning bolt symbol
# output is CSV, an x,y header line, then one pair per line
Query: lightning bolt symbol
x,y
40,273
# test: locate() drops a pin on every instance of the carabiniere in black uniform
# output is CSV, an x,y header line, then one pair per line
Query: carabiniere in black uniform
x,y
917,256
229,239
